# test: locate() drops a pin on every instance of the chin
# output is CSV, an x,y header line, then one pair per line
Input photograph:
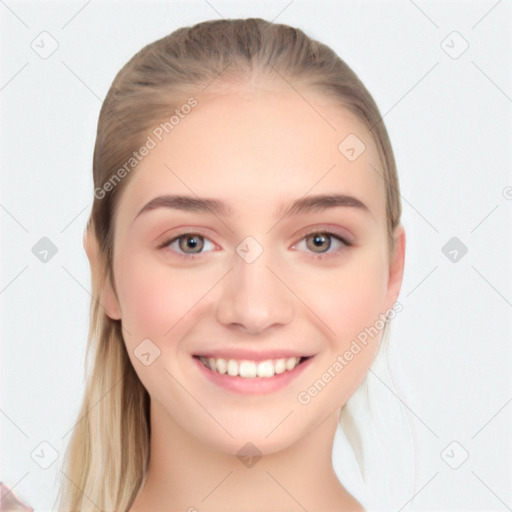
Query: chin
x,y
250,445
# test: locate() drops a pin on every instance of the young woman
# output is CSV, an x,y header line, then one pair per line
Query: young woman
x,y
246,255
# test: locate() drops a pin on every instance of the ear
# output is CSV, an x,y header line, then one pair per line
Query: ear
x,y
100,278
396,266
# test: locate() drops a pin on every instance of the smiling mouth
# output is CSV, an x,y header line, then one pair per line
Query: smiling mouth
x,y
247,369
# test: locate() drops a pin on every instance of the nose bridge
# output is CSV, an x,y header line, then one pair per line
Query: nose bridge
x,y
253,298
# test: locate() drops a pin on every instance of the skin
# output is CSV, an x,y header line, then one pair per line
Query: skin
x,y
257,149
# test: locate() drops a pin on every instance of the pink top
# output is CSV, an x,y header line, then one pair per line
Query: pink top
x,y
9,502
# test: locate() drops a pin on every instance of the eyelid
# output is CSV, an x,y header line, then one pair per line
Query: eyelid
x,y
181,233
329,229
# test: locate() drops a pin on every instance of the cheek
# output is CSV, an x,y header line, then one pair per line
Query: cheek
x,y
349,301
151,297
348,298
154,298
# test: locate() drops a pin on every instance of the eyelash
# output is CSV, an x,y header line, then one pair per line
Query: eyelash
x,y
317,256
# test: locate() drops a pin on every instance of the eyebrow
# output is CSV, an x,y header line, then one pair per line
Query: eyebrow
x,y
215,207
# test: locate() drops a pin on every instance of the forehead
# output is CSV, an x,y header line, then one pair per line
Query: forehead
x,y
253,148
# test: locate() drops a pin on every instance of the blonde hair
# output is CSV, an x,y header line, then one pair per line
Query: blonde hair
x,y
107,455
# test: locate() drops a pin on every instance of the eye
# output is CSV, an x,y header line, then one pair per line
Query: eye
x,y
187,244
190,244
320,242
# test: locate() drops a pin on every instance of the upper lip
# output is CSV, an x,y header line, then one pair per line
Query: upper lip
x,y
250,355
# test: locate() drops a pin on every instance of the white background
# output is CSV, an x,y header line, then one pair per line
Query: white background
x,y
449,121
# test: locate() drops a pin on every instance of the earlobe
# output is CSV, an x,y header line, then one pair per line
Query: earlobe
x,y
100,278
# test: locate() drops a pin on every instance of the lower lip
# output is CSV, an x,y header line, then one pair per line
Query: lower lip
x,y
255,385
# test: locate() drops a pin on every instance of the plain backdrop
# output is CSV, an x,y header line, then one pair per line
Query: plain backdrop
x,y
440,72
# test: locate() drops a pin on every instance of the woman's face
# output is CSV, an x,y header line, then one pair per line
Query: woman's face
x,y
245,282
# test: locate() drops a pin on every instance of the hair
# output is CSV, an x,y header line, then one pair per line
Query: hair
x,y
107,455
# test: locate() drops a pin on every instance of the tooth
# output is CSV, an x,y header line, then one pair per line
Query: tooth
x,y
222,366
265,369
247,369
250,369
291,362
232,368
280,366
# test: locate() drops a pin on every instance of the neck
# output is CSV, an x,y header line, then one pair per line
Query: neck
x,y
186,475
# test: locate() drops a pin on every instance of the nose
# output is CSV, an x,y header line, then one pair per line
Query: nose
x,y
253,298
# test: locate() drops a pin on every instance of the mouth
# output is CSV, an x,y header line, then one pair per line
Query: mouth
x,y
249,369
